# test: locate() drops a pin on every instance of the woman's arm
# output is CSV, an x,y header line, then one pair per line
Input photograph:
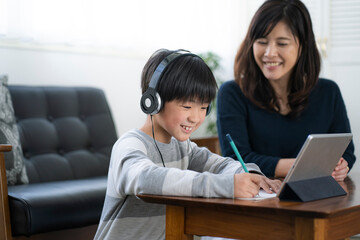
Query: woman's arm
x,y
341,124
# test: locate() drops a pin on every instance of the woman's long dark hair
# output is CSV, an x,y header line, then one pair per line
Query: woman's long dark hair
x,y
306,71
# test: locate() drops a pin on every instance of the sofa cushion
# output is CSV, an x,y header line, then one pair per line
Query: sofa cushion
x,y
66,133
9,134
44,207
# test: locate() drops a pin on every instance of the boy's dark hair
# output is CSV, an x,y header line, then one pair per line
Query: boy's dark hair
x,y
306,71
186,78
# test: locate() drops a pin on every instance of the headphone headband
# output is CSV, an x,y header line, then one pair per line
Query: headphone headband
x,y
160,69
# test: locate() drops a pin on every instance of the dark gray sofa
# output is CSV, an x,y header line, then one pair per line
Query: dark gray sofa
x,y
66,134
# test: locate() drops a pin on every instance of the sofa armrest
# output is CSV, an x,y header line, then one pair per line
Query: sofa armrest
x,y
5,228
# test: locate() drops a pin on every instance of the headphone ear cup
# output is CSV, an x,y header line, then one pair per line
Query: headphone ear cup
x,y
150,102
208,109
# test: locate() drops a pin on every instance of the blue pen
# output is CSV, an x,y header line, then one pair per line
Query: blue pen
x,y
236,152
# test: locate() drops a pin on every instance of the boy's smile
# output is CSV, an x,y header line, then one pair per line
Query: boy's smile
x,y
178,119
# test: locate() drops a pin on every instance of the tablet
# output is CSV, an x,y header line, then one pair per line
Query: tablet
x,y
318,157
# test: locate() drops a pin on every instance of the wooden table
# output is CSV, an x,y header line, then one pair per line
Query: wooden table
x,y
332,218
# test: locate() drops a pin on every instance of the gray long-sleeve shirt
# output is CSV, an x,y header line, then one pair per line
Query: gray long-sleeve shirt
x,y
136,168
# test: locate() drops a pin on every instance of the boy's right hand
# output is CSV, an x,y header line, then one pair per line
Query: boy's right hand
x,y
247,185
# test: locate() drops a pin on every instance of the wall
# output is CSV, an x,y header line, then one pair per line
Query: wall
x,y
119,74
117,71
346,76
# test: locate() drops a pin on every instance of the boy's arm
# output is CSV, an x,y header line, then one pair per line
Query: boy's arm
x,y
132,172
201,160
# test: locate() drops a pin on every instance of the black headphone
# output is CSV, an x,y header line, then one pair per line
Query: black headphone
x,y
151,102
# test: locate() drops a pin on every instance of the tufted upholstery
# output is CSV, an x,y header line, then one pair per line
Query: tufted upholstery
x,y
66,135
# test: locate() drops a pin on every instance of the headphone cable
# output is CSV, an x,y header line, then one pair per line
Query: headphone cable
x,y
152,125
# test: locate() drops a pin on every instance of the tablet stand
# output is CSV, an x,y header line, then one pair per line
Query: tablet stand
x,y
311,189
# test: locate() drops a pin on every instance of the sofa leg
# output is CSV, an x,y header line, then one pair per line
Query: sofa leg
x,y
5,227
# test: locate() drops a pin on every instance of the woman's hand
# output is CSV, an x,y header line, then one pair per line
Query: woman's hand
x,y
247,185
341,170
283,167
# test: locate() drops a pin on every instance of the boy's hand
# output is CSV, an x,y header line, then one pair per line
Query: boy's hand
x,y
247,185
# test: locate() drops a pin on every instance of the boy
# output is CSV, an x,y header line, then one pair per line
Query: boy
x,y
159,158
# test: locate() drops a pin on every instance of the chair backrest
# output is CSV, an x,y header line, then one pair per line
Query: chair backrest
x,y
65,132
212,143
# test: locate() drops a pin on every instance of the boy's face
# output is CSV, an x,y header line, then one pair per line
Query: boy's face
x,y
179,119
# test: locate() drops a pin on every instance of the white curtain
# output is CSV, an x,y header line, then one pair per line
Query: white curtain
x,y
133,24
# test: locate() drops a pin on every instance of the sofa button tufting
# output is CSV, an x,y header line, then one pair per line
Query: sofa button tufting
x,y
54,143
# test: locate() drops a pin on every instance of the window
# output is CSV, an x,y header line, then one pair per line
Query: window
x,y
113,25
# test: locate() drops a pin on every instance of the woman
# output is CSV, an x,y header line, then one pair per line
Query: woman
x,y
277,98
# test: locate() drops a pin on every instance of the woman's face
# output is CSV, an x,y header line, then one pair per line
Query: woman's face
x,y
277,53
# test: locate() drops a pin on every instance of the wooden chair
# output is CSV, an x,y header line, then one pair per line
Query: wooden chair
x,y
5,229
212,143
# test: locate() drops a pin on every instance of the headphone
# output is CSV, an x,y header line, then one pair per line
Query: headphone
x,y
151,102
